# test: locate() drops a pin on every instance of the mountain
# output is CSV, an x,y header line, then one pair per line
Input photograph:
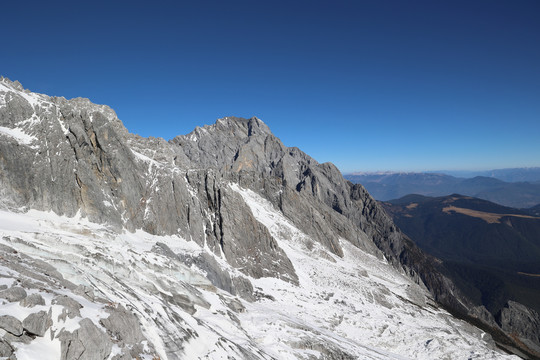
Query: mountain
x,y
388,186
222,243
491,252
527,174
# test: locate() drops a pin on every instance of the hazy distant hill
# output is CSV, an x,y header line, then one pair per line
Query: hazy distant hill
x,y
529,174
492,252
386,186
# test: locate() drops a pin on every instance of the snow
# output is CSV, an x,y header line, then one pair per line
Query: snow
x,y
42,348
17,311
145,158
196,134
33,99
18,134
116,350
4,87
65,130
28,123
357,303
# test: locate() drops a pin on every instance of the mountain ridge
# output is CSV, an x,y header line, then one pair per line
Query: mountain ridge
x,y
518,174
389,186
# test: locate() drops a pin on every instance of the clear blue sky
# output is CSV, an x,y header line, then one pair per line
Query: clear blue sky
x,y
367,85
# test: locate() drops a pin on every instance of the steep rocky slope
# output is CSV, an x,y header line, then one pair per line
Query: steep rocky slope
x,y
220,242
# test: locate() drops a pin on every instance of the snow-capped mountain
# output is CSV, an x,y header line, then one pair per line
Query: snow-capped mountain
x,y
222,243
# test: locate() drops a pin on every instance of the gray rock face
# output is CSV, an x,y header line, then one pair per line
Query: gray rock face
x,y
483,314
71,308
86,343
32,300
124,326
37,323
327,350
5,349
85,292
518,319
24,339
13,294
11,325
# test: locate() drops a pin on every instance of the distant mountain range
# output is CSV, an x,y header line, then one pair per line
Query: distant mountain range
x,y
490,251
523,194
529,174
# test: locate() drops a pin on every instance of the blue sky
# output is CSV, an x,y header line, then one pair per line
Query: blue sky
x,y
367,85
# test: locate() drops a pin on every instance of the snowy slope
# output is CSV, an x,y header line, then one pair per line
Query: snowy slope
x,y
355,307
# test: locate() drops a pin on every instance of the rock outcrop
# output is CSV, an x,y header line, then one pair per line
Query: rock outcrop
x,y
11,325
521,321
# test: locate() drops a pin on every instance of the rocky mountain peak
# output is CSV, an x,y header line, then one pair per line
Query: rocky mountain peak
x,y
16,85
237,127
27,102
251,127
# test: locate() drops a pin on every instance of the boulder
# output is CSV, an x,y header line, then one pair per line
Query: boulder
x,y
37,323
86,343
11,324
71,307
5,348
13,294
24,338
123,325
32,300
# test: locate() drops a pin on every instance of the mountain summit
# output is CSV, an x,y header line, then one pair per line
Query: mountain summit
x,y
219,243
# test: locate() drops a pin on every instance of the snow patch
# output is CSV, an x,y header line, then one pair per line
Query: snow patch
x,y
20,136
145,158
40,348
